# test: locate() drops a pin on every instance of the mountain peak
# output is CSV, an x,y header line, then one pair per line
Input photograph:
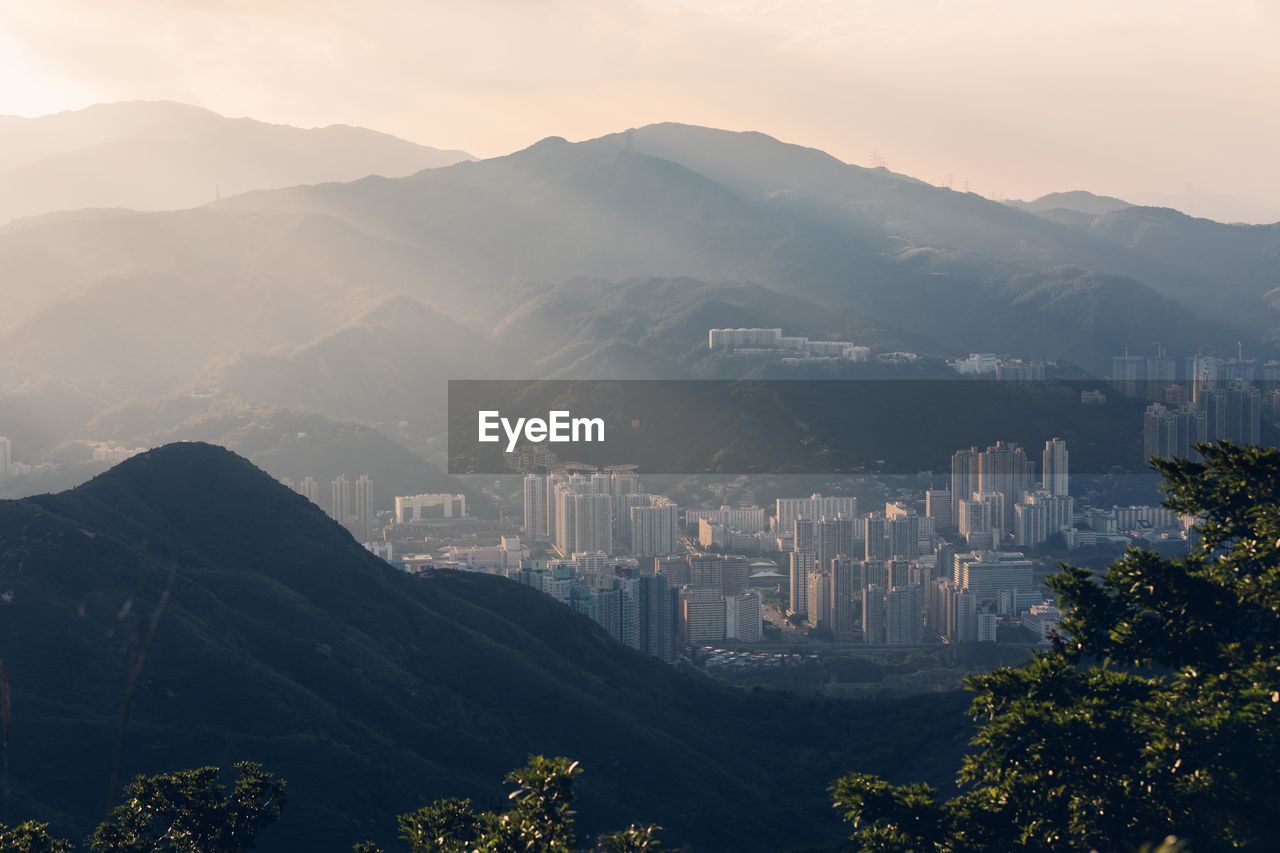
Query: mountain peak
x,y
1079,201
161,155
203,493
188,457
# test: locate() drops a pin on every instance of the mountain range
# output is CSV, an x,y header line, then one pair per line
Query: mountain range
x,y
159,155
261,630
608,257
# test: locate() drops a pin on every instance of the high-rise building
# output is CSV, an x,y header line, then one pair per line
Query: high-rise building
x,y
873,615
1203,373
6,456
986,624
902,534
724,572
1040,516
535,507
875,573
922,571
962,625
937,506
818,597
1053,466
593,522
1232,413
674,569
744,617
734,573
1004,468
623,483
553,481
944,558
899,573
655,527
1127,373
745,519
986,573
622,506
876,544
365,512
938,603
1172,433
813,507
584,519
802,534
802,563
831,536
1161,370
904,616
706,571
659,618
976,518
702,616
309,488
964,478
1030,525
340,500
845,580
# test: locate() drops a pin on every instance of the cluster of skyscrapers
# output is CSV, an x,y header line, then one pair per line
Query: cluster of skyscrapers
x,y
350,503
1203,399
995,495
596,511
695,599
1173,427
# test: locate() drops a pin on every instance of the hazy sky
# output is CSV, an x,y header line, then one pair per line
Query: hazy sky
x,y
1017,97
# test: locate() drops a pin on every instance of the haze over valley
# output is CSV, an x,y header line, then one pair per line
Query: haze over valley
x,y
390,268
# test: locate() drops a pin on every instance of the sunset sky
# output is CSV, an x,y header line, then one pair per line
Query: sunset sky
x,y
1153,100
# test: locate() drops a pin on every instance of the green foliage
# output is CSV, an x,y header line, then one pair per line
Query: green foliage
x,y
444,825
190,811
31,837
633,839
541,818
1157,717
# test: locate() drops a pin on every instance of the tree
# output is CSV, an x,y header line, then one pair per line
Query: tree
x,y
1156,715
540,819
633,839
448,824
31,837
542,815
190,811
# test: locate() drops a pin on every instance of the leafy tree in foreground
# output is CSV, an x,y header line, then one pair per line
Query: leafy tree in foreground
x,y
633,839
190,811
31,837
540,819
1158,717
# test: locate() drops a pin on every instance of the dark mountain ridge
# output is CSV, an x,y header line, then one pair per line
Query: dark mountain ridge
x,y
279,639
